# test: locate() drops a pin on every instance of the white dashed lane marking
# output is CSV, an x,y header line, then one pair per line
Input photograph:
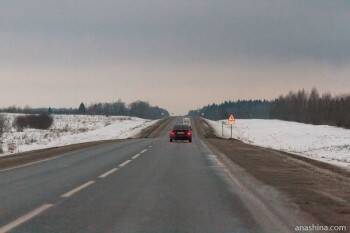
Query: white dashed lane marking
x,y
21,220
78,189
136,156
104,175
125,163
25,218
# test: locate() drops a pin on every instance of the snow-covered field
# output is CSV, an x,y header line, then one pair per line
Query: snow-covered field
x,y
72,129
324,143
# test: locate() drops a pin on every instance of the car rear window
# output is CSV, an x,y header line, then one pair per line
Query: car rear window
x,y
181,127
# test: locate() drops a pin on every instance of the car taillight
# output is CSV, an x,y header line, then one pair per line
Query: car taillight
x,y
172,132
189,133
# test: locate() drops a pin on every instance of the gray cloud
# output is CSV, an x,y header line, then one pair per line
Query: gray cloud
x,y
217,49
175,30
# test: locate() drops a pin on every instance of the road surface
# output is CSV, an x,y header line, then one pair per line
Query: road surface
x,y
133,186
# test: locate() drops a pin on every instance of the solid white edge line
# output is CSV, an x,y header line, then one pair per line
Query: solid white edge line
x,y
74,191
136,156
104,175
25,218
125,163
143,151
30,164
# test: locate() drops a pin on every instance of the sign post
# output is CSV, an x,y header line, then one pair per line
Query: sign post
x,y
222,129
231,121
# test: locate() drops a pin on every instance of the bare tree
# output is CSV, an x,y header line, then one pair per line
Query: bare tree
x,y
313,108
3,128
2,125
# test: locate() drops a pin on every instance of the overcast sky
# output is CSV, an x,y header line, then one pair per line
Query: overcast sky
x,y
176,54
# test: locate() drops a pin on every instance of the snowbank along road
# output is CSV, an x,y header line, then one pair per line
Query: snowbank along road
x,y
144,185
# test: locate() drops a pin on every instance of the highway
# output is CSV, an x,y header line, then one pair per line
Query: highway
x,y
133,186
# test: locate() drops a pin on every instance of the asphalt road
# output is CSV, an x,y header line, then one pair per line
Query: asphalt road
x,y
135,186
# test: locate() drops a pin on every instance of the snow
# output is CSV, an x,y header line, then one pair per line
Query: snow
x,y
320,142
72,129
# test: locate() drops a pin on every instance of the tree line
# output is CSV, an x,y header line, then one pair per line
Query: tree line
x,y
300,106
313,108
140,109
244,109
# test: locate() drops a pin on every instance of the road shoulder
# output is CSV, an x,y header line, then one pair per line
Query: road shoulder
x,y
320,191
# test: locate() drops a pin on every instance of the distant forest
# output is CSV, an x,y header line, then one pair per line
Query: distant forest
x,y
243,109
301,106
140,109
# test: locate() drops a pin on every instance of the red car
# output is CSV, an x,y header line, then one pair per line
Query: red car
x,y
181,132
